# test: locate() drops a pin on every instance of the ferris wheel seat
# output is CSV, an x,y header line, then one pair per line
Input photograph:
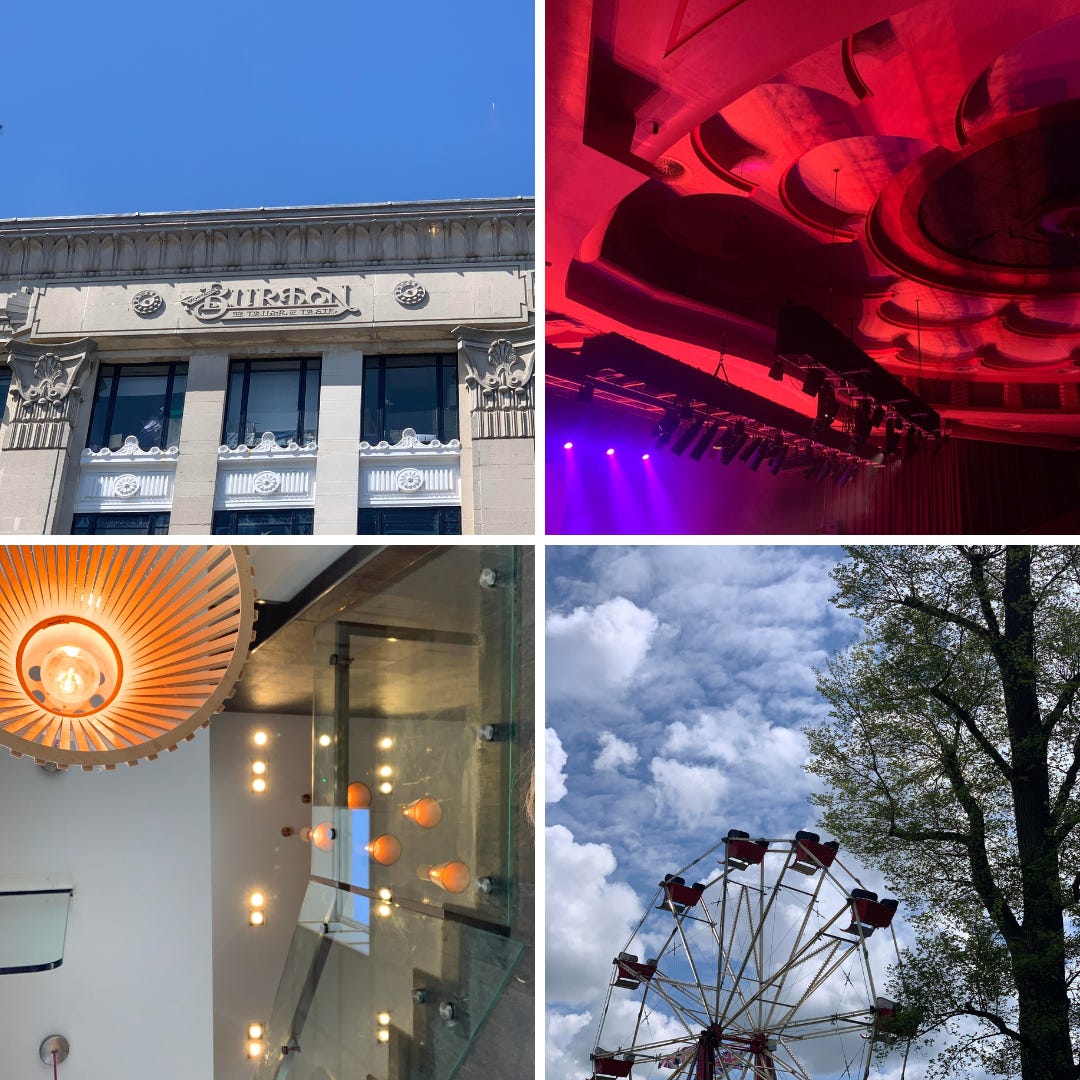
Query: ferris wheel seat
x,y
812,855
678,895
869,913
605,1067
742,851
630,973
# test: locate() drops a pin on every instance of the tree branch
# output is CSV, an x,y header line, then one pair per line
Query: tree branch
x,y
977,561
970,1009
965,717
944,615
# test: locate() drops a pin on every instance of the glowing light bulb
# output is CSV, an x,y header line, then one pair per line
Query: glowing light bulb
x,y
385,894
426,812
254,1048
255,1031
70,675
386,787
325,740
256,899
260,738
385,849
385,770
359,796
453,876
383,1035
610,451
258,785
256,918
385,743
258,767
568,445
383,910
383,1018
644,457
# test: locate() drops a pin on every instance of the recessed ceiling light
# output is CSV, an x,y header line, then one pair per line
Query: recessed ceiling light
x,y
255,1031
260,738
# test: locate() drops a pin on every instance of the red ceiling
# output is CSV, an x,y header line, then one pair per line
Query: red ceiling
x,y
909,171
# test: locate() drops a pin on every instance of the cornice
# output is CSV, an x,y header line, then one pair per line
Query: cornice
x,y
497,232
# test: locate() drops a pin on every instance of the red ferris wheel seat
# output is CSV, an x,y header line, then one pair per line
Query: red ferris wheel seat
x,y
811,854
742,851
868,913
682,897
630,972
607,1065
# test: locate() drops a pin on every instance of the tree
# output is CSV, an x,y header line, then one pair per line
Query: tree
x,y
950,764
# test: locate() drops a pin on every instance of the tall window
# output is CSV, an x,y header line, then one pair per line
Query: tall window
x,y
144,400
418,392
280,396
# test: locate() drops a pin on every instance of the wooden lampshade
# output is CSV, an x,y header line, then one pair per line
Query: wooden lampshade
x,y
113,653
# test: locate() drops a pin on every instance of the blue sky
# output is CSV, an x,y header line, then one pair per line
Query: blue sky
x,y
677,681
117,107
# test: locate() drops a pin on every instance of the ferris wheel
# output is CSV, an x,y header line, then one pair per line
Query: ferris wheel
x,y
769,970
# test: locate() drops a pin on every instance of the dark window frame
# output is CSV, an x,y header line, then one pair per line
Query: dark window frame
x,y
225,521
445,527
307,364
441,362
157,523
116,371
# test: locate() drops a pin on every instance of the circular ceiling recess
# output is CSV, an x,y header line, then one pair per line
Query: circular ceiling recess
x,y
111,654
1000,218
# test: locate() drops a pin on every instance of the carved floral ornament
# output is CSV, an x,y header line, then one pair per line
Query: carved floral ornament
x,y
266,483
147,303
506,369
45,377
410,480
126,486
410,293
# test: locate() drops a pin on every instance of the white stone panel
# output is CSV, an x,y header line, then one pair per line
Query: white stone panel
x,y
128,479
260,485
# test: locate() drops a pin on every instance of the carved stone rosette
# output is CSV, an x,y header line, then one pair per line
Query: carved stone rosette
x,y
499,375
45,393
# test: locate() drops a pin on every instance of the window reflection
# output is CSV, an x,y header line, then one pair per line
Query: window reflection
x,y
279,396
141,400
418,392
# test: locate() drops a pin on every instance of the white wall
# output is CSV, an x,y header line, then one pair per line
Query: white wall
x,y
133,995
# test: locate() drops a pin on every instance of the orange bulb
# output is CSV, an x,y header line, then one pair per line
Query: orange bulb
x,y
453,876
322,836
359,796
385,849
426,812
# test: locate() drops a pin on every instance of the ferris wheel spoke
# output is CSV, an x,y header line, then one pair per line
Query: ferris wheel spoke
x,y
682,1011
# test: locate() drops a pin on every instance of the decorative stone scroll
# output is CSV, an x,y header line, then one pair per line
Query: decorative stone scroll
x,y
266,475
499,375
411,472
45,393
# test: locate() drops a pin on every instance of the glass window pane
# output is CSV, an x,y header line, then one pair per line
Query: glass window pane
x,y
411,401
230,436
96,439
450,400
176,408
309,431
139,410
370,428
272,402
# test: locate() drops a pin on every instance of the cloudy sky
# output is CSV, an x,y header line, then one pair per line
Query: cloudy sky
x,y
678,679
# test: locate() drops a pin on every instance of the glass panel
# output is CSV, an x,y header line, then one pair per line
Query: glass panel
x,y
33,922
310,427
411,399
120,524
370,427
450,399
231,434
96,439
400,955
273,402
138,409
176,408
333,996
264,522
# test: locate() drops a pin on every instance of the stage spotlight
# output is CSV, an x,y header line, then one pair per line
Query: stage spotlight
x,y
826,405
585,392
778,459
687,436
814,381
751,448
737,437
777,370
610,451
666,427
706,441
568,446
877,416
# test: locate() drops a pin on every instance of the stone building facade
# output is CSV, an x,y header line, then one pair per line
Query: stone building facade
x,y
327,370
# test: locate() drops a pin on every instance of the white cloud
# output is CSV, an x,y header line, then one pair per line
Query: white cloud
x,y
691,794
594,653
614,753
554,761
589,918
